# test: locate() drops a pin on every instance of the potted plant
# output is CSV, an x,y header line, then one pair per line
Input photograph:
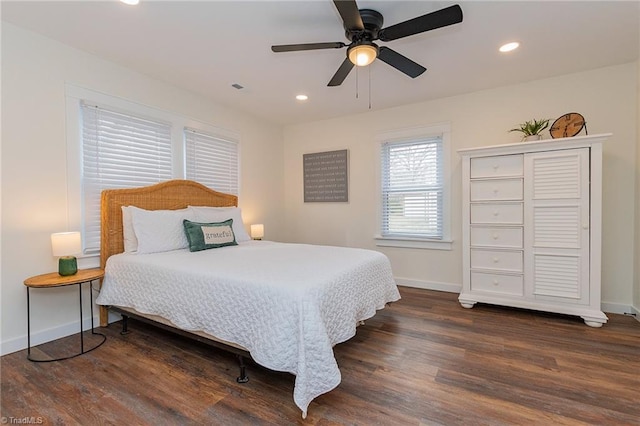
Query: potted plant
x,y
531,129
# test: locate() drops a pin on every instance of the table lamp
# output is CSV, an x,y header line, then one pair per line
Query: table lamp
x,y
66,245
257,231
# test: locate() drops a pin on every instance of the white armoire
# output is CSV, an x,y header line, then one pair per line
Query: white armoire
x,y
531,224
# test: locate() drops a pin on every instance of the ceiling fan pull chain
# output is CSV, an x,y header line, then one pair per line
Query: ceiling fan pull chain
x,y
369,86
357,85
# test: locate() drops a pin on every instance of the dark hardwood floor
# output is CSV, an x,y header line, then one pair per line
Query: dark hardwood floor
x,y
422,361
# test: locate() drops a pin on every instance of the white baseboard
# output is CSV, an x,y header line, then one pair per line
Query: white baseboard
x,y
615,308
44,336
429,285
113,317
636,312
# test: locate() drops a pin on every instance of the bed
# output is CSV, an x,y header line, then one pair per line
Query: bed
x,y
286,305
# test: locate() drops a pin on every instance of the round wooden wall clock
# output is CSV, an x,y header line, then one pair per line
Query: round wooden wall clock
x,y
567,125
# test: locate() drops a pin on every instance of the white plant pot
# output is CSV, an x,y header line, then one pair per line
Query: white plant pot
x,y
532,138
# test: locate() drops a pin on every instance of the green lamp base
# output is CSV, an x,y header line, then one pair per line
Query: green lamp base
x,y
67,265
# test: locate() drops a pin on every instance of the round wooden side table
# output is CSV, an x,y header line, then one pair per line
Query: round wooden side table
x,y
56,280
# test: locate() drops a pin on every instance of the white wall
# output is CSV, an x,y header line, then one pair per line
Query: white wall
x,y
636,292
34,170
607,99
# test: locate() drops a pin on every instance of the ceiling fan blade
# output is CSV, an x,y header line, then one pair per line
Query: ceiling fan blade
x,y
342,73
438,19
400,62
306,46
348,10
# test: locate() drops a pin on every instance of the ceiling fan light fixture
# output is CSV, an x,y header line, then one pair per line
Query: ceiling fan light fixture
x,y
362,55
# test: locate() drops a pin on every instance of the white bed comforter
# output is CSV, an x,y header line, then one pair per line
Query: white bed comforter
x,y
287,304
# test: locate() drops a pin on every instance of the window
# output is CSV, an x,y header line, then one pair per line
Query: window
x,y
212,161
412,189
122,144
118,151
413,195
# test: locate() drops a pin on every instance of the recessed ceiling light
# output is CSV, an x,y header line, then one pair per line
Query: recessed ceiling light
x,y
130,2
509,47
302,97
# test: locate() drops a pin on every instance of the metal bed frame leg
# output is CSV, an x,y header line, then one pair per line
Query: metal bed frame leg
x,y
125,325
243,378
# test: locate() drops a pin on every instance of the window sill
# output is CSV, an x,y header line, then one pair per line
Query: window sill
x,y
89,260
413,243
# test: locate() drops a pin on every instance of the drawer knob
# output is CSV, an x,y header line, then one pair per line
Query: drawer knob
x,y
495,190
496,212
496,260
495,282
496,166
495,235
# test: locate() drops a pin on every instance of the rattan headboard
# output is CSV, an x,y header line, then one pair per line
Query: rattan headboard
x,y
170,195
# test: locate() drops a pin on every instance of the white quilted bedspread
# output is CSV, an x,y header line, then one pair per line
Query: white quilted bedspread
x,y
287,304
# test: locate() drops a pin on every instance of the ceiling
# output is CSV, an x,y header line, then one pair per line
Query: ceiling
x,y
206,46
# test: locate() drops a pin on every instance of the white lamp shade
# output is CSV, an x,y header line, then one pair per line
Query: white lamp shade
x,y
66,243
362,55
257,230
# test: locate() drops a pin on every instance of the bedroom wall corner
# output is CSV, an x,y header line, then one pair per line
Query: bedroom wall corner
x,y
636,277
34,178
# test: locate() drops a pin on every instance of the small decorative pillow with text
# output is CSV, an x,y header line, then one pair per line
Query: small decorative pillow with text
x,y
204,236
219,214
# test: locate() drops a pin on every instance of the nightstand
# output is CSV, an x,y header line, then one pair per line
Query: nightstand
x,y
56,280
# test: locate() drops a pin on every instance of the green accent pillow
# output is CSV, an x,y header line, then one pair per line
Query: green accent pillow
x,y
204,236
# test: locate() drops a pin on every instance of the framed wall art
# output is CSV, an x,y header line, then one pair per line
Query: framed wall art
x,y
326,176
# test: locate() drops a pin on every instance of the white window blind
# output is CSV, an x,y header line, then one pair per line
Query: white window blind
x,y
212,161
118,151
412,189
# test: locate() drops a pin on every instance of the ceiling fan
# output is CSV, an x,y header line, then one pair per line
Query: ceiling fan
x,y
363,27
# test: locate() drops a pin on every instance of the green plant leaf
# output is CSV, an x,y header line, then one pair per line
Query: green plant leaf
x,y
532,127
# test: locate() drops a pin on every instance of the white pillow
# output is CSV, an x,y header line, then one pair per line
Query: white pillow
x,y
160,230
220,214
128,233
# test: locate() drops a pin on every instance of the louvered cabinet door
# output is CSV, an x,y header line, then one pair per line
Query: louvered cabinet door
x,y
557,226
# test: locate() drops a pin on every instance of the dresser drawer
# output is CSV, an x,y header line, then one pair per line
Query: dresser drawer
x,y
512,285
500,165
496,189
503,260
490,236
506,213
